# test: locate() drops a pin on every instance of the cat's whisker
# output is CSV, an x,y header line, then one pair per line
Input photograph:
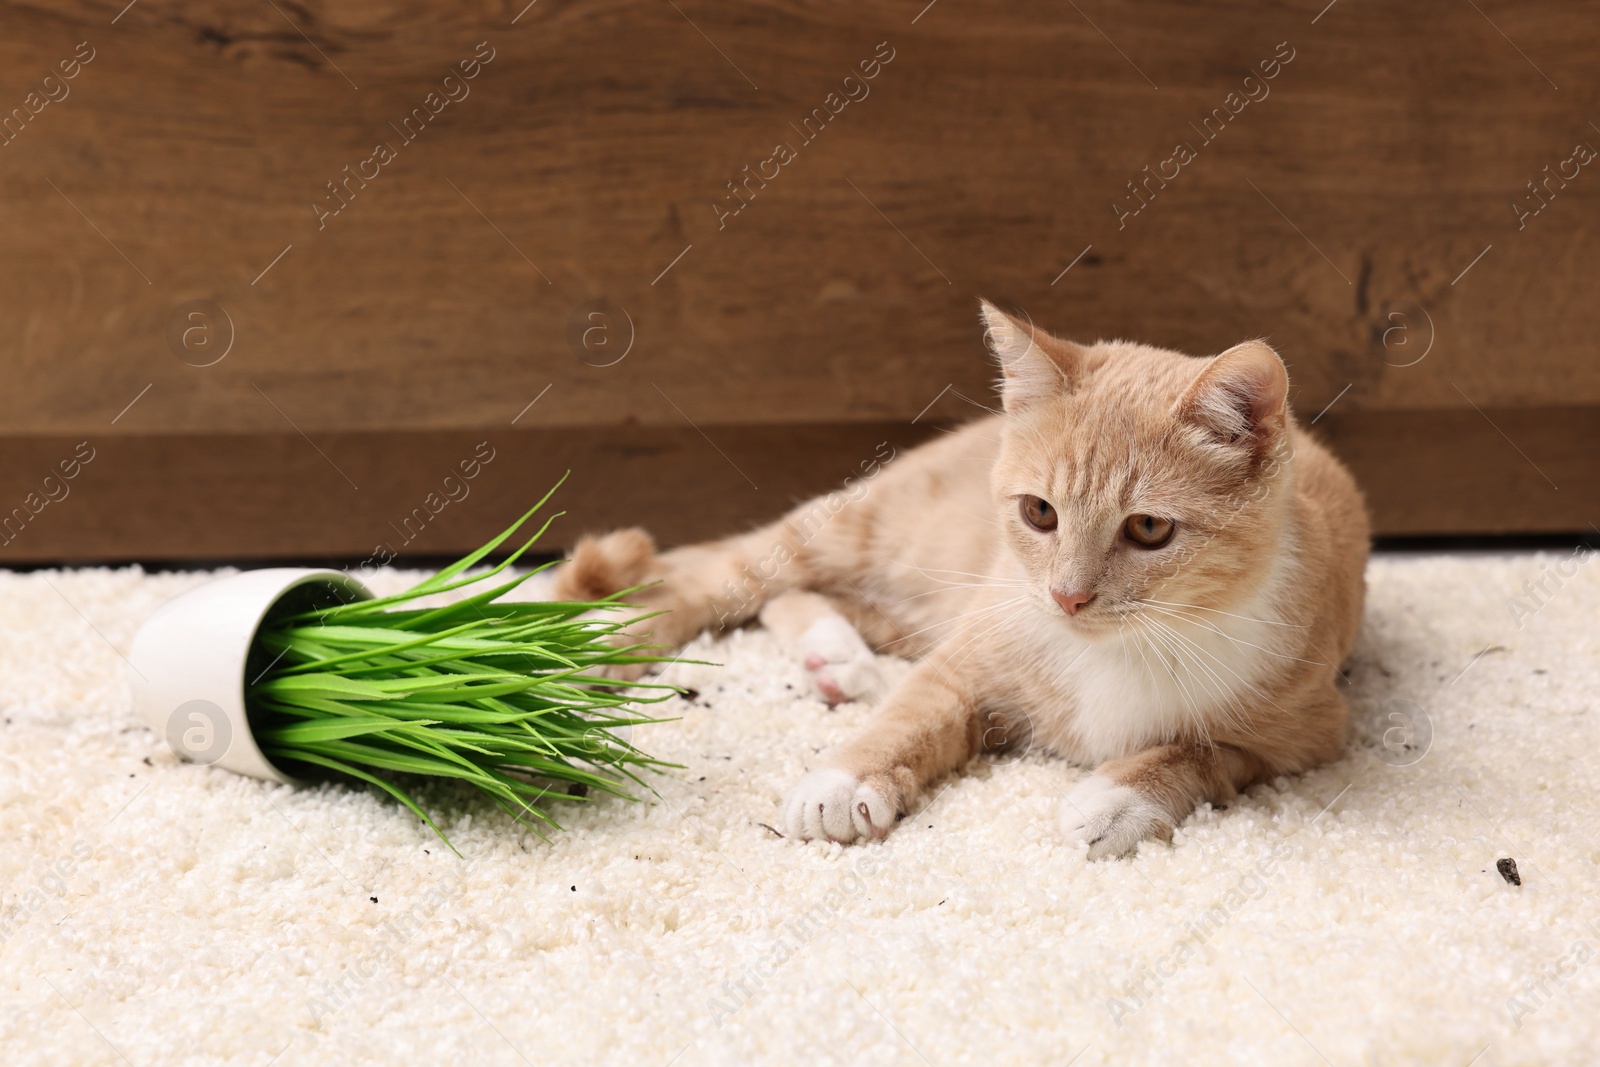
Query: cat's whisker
x,y
1190,643
1138,646
1201,621
1224,707
1153,641
1203,676
972,641
928,572
1199,723
1201,650
1221,706
1223,702
976,404
951,585
1193,620
974,613
1219,611
1241,720
950,621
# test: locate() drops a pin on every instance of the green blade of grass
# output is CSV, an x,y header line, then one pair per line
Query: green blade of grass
x,y
328,730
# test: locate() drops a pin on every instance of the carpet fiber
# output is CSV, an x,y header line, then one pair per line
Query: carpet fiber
x,y
154,912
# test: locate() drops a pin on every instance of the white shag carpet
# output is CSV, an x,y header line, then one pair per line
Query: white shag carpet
x,y
154,912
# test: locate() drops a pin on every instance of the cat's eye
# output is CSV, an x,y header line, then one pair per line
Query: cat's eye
x,y
1148,531
1038,513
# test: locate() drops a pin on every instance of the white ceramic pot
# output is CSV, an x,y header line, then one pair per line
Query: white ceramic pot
x,y
189,662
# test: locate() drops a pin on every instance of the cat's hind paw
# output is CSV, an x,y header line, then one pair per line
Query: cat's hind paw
x,y
842,667
841,683
835,805
1110,818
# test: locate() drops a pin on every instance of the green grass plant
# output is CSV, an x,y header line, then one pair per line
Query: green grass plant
x,y
507,696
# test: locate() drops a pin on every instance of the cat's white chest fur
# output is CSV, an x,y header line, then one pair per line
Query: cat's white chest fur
x,y
1174,672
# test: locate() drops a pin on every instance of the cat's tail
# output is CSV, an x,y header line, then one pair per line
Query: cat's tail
x,y
715,585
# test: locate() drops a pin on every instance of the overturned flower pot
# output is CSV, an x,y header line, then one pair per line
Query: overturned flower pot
x,y
288,674
192,661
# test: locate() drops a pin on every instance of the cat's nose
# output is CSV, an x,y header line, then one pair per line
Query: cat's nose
x,y
1071,603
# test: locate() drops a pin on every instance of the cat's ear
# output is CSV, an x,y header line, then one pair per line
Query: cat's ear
x,y
1034,365
1241,396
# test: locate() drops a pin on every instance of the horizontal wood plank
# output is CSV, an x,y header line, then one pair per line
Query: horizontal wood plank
x,y
375,495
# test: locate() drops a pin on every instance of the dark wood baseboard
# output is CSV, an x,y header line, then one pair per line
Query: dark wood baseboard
x,y
261,496
1453,472
255,496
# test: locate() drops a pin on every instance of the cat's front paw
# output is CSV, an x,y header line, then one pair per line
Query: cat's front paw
x,y
1111,818
836,805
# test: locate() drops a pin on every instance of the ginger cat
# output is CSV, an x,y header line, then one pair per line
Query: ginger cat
x,y
1143,565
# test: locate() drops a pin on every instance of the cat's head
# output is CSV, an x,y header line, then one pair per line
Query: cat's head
x,y
1129,474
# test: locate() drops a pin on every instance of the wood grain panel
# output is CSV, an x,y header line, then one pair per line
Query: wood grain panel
x,y
1359,215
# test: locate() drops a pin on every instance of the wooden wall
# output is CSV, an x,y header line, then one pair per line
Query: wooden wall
x,y
1359,210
